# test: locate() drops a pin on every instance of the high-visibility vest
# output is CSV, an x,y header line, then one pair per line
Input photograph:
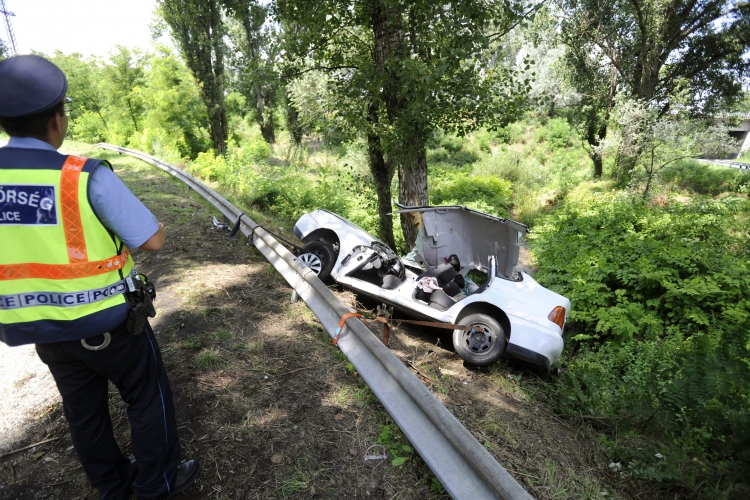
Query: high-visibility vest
x,y
59,265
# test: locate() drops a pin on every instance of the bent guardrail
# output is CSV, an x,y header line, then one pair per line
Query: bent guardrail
x,y
462,465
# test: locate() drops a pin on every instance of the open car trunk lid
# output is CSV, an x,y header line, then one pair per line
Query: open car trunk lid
x,y
472,235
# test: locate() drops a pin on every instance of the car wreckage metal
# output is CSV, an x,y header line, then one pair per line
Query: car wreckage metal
x,y
510,314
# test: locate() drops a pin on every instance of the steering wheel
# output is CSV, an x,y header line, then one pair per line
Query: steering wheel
x,y
385,264
385,260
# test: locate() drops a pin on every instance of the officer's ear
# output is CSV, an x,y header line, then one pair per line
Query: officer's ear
x,y
57,127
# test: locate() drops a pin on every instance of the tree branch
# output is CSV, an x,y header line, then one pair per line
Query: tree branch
x,y
318,68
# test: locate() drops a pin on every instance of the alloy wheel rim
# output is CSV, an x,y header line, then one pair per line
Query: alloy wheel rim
x,y
313,261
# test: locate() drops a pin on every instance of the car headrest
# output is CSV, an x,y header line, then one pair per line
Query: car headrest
x,y
445,274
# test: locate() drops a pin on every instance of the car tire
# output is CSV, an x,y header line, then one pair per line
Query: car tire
x,y
482,346
319,257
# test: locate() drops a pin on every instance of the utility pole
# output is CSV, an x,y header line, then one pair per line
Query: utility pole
x,y
11,37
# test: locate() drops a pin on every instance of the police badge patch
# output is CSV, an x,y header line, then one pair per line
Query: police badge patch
x,y
28,205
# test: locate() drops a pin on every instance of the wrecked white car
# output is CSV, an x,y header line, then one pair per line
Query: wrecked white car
x,y
508,312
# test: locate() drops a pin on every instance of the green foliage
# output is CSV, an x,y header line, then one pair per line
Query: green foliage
x,y
645,142
395,442
248,172
209,360
701,178
198,31
147,102
482,192
557,132
675,53
659,332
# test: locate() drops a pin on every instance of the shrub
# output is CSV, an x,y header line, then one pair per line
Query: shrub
x,y
658,333
558,133
452,144
510,133
482,192
702,178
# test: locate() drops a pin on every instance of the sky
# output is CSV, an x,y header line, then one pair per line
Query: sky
x,y
91,27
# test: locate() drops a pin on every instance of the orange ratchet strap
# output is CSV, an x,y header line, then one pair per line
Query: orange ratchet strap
x,y
341,325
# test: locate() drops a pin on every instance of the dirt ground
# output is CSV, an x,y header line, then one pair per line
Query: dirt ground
x,y
268,404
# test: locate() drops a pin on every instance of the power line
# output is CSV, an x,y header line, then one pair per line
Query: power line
x,y
8,27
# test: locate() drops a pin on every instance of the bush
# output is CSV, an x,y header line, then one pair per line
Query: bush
x,y
88,127
658,335
510,133
482,192
702,178
558,133
452,144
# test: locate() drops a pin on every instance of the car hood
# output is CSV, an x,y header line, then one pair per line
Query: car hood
x,y
472,235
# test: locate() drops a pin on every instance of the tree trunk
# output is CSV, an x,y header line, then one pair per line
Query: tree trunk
x,y
132,115
596,158
217,122
382,173
412,190
292,123
264,116
267,131
408,147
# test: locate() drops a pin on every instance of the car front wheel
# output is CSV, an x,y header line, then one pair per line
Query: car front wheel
x,y
483,344
319,257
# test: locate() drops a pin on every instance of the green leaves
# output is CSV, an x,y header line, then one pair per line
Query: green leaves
x,y
660,327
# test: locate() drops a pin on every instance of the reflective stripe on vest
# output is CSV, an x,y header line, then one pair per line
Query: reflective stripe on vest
x,y
48,288
70,299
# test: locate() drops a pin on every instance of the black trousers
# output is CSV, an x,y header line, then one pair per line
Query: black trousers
x,y
134,365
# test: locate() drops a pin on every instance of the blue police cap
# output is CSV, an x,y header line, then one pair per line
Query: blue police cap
x,y
30,85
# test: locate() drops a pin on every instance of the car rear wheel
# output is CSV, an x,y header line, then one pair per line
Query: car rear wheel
x,y
319,257
483,344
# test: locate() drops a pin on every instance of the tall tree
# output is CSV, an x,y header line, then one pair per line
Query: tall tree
x,y
122,81
254,61
597,81
686,54
670,52
84,85
402,70
198,30
175,119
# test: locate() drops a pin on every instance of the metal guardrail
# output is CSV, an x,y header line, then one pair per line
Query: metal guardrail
x,y
742,167
462,465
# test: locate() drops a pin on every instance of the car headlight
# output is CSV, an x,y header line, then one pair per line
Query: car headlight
x,y
557,316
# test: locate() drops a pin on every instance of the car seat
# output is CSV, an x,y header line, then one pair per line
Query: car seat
x,y
390,282
444,274
441,301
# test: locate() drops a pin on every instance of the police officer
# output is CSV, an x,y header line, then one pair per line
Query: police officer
x,y
66,224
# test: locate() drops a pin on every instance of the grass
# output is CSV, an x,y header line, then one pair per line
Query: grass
x,y
563,482
223,335
209,360
191,344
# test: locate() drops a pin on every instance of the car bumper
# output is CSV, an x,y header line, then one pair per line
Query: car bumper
x,y
534,343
